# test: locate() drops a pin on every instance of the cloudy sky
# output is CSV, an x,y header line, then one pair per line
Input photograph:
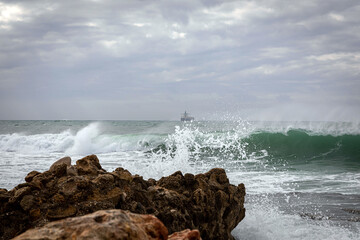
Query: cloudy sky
x,y
130,59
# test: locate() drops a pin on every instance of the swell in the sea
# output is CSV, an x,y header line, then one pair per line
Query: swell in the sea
x,y
297,175
292,144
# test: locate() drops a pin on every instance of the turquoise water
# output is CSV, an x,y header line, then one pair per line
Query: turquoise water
x,y
302,178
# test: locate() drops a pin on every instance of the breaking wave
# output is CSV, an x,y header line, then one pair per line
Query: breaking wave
x,y
195,143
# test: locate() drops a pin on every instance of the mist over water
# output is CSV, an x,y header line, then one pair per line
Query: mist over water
x,y
302,178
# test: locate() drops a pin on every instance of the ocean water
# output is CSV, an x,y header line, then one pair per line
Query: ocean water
x,y
302,178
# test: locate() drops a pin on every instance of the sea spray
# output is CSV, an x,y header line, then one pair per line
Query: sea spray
x,y
265,221
194,145
278,162
84,140
37,143
176,151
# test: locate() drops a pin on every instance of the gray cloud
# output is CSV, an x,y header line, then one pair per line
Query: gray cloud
x,y
153,59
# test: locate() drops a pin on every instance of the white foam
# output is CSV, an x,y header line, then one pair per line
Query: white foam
x,y
264,221
179,153
24,153
312,128
35,143
84,140
88,140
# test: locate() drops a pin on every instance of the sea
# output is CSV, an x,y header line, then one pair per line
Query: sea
x,y
302,178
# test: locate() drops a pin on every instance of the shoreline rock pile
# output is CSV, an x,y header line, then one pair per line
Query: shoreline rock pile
x,y
207,202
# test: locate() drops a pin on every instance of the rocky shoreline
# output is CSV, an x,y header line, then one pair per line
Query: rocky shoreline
x,y
206,203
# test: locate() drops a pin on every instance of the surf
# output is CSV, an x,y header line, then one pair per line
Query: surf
x,y
285,166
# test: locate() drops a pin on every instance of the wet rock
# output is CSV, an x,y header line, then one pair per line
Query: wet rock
x,y
64,160
186,234
123,174
71,171
207,202
19,194
189,179
61,212
104,181
60,170
28,202
89,165
104,224
31,175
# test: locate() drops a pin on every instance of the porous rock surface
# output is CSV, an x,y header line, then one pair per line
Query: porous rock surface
x,y
207,202
108,224
103,224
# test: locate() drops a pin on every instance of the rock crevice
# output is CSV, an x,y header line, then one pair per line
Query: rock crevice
x,y
207,202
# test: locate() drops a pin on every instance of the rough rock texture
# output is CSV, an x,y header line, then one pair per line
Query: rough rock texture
x,y
103,224
108,224
66,160
185,235
205,201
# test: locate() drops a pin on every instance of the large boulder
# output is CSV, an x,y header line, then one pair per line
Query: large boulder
x,y
207,202
64,160
107,224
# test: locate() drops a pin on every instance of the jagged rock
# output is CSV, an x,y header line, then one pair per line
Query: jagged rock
x,y
186,234
71,171
31,175
64,160
207,202
104,224
89,165
19,193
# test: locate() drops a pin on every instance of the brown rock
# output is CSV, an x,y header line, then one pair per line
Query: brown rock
x,y
186,234
89,165
4,197
112,196
189,179
61,212
104,180
68,188
64,160
104,224
123,174
217,175
58,198
19,194
59,170
35,213
41,179
28,202
207,202
31,175
71,171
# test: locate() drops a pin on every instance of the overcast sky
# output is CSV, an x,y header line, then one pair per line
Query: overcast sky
x,y
102,59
